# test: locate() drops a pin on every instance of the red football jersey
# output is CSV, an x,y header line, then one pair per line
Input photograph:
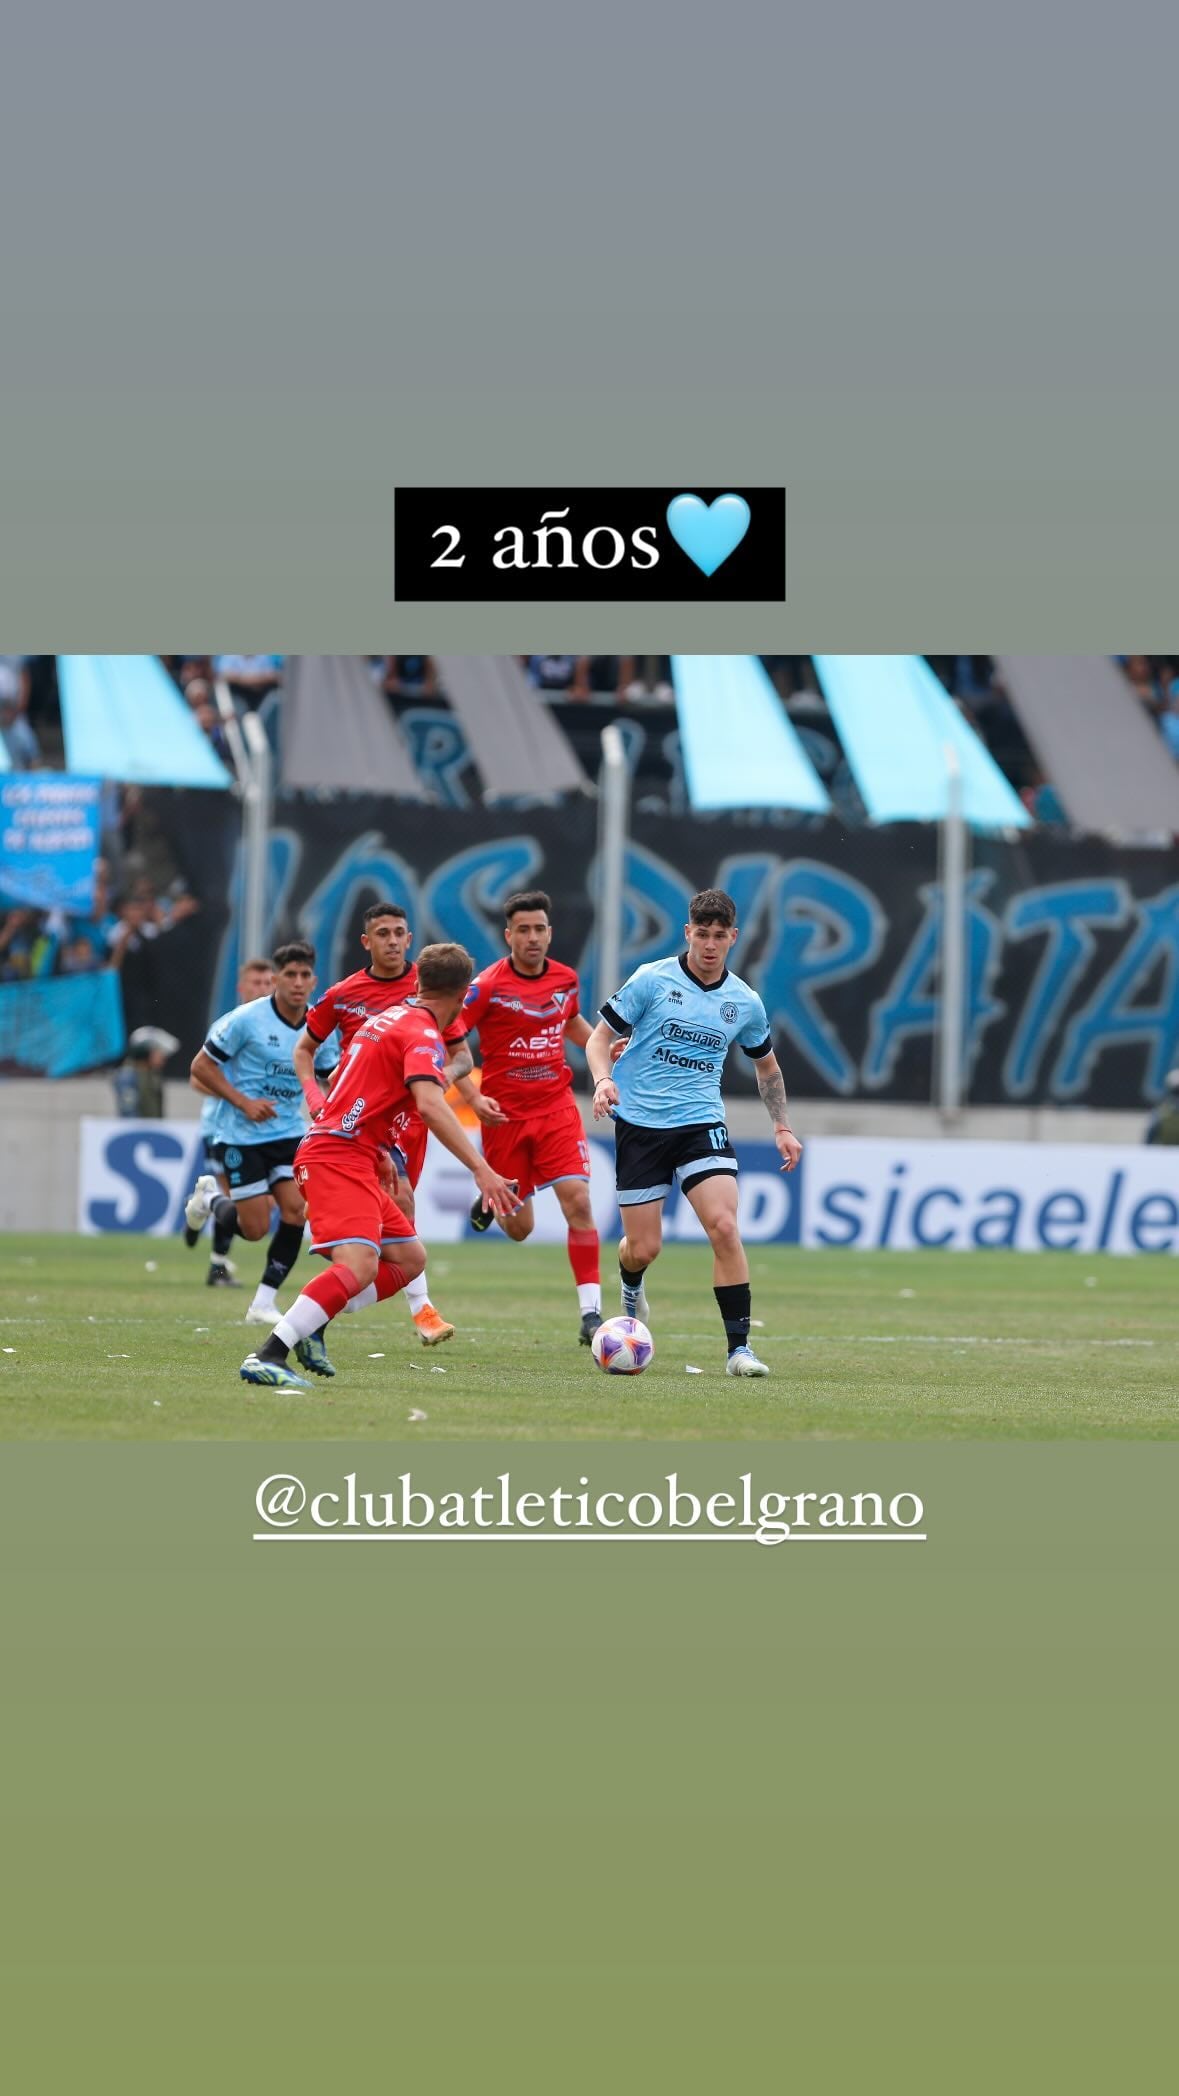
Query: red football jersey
x,y
521,1021
374,1082
349,1003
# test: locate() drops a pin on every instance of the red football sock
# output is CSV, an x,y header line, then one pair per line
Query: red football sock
x,y
584,1257
333,1289
390,1281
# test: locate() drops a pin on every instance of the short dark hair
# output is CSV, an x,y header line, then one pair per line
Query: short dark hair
x,y
713,906
527,899
384,909
294,950
444,967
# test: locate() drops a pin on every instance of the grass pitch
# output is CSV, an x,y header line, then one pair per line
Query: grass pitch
x,y
115,1338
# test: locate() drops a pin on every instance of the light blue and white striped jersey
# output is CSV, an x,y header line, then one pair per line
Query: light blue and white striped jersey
x,y
255,1046
680,1033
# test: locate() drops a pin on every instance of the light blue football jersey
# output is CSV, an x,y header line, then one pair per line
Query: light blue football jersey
x,y
209,1111
680,1033
255,1046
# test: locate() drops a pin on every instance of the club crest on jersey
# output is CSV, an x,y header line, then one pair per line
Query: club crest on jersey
x,y
730,1012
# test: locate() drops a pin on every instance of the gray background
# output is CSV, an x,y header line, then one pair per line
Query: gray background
x,y
261,264
254,272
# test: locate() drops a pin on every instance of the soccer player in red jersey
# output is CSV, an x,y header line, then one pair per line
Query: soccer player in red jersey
x,y
388,980
343,1171
524,1009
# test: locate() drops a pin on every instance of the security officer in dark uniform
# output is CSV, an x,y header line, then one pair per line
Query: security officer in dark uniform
x,y
139,1080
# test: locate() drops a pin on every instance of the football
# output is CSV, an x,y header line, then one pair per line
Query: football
x,y
622,1346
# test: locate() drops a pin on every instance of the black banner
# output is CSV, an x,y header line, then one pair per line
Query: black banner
x,y
1072,962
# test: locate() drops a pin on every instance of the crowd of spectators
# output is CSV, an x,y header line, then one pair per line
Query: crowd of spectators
x,y
1154,679
612,680
121,922
20,741
130,905
30,722
975,683
625,682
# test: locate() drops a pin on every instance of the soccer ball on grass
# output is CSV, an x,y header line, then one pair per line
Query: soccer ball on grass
x,y
623,1346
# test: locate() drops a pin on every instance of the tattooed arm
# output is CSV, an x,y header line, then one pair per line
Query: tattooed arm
x,y
458,1073
461,1064
772,1086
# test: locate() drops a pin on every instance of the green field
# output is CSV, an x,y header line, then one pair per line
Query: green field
x,y
98,1344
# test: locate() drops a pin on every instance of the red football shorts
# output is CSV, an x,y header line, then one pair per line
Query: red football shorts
x,y
539,1150
346,1202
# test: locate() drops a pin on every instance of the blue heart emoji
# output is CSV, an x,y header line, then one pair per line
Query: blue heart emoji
x,y
708,532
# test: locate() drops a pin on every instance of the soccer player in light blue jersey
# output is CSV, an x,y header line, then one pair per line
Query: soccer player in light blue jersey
x,y
254,979
247,1062
677,1020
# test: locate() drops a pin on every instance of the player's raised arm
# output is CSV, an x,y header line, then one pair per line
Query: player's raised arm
x,y
772,1086
439,1119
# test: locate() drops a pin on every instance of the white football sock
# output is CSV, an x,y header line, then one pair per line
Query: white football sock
x,y
589,1296
264,1298
363,1301
304,1317
417,1294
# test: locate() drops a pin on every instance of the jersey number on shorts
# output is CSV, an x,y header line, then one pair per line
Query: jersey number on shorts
x,y
719,1138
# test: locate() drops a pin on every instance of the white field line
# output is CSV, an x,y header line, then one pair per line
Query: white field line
x,y
913,1339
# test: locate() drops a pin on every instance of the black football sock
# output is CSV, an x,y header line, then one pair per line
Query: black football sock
x,y
284,1250
734,1303
631,1278
222,1239
274,1352
224,1214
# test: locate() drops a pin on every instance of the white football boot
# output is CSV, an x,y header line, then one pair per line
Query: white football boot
x,y
744,1362
258,1315
198,1206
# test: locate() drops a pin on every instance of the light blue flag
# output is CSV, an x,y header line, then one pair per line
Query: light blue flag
x,y
739,745
895,721
62,1024
123,718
